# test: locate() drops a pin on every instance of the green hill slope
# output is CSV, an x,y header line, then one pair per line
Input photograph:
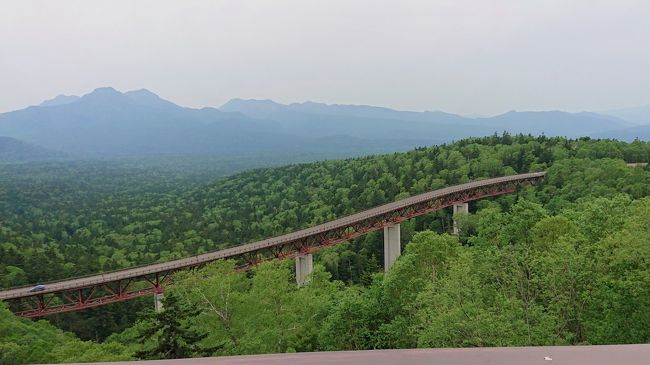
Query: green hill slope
x,y
57,225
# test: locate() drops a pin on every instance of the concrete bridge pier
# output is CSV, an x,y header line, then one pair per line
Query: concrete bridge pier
x,y
304,268
459,208
157,301
392,245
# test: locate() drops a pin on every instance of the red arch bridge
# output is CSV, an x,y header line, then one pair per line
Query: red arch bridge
x,y
110,287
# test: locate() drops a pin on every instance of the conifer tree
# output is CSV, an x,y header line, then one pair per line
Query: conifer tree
x,y
172,335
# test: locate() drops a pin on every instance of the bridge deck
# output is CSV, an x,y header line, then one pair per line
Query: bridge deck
x,y
82,282
543,355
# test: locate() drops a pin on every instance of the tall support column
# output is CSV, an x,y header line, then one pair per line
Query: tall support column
x,y
157,301
304,268
392,245
459,208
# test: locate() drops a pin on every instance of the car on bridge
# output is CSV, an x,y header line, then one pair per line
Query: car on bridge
x,y
39,287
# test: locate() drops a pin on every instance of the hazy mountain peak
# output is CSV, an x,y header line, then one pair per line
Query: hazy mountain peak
x,y
309,103
256,108
102,93
441,113
523,113
146,97
108,122
107,90
142,93
249,102
60,100
103,96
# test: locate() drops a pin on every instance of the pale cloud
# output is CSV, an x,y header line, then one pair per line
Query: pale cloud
x,y
457,55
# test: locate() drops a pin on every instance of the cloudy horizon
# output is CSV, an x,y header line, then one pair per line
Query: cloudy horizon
x,y
470,115
462,56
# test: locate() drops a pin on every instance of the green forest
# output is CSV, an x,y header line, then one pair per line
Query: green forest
x,y
566,262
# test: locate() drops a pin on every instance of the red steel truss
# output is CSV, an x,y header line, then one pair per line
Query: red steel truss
x,y
96,290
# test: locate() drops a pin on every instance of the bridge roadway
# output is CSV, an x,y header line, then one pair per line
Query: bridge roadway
x,y
540,355
71,291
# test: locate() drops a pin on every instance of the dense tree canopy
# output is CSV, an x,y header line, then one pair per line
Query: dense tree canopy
x,y
566,262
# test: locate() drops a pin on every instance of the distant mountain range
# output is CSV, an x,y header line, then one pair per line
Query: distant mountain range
x,y
60,100
375,122
107,122
638,115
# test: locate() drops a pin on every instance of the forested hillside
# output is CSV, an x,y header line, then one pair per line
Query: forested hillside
x,y
566,262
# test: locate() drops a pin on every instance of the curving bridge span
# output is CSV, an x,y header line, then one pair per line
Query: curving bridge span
x,y
110,287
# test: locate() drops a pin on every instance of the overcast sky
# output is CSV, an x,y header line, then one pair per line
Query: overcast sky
x,y
461,56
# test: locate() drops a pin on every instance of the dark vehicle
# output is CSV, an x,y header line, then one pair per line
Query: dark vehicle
x,y
38,287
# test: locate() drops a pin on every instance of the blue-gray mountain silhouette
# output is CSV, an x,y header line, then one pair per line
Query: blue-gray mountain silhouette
x,y
60,100
107,122
637,115
13,150
362,120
